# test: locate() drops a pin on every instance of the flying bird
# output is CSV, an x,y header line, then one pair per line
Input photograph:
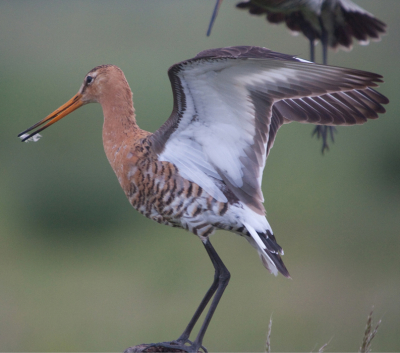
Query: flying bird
x,y
333,22
202,169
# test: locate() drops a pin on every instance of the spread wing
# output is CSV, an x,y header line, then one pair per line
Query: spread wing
x,y
229,104
341,19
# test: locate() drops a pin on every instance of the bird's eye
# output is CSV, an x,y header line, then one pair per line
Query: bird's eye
x,y
89,80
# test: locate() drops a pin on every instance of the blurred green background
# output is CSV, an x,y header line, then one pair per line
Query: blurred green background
x,y
80,270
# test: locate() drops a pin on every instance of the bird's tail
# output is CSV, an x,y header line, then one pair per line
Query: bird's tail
x,y
269,250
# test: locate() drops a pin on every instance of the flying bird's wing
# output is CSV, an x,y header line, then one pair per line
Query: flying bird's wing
x,y
350,20
229,104
341,19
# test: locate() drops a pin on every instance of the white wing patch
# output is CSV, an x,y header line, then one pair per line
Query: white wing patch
x,y
218,122
220,128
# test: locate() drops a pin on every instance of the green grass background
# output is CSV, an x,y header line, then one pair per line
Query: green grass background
x,y
80,270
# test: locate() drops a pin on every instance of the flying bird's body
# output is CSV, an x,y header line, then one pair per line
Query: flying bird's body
x,y
202,170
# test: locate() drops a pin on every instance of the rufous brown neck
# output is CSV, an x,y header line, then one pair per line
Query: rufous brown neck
x,y
119,118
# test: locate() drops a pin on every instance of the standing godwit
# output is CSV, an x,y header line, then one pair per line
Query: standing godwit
x,y
333,22
202,169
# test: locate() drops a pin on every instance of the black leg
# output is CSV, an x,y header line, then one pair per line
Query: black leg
x,y
221,279
323,132
325,53
312,50
185,335
320,130
214,16
324,42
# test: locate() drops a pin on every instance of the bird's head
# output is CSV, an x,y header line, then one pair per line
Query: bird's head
x,y
99,83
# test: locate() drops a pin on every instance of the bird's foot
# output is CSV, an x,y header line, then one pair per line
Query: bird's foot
x,y
173,346
324,132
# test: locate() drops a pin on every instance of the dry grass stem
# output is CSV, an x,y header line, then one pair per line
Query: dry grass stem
x,y
268,342
323,347
369,334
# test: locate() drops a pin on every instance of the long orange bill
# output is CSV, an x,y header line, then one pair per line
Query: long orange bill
x,y
74,103
214,16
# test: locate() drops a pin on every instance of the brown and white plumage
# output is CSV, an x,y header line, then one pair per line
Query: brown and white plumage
x,y
202,169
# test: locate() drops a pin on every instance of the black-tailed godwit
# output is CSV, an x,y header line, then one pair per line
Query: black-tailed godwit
x,y
202,169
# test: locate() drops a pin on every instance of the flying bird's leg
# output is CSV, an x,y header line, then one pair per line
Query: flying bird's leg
x,y
324,54
213,16
221,279
324,132
324,42
332,131
320,130
312,50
